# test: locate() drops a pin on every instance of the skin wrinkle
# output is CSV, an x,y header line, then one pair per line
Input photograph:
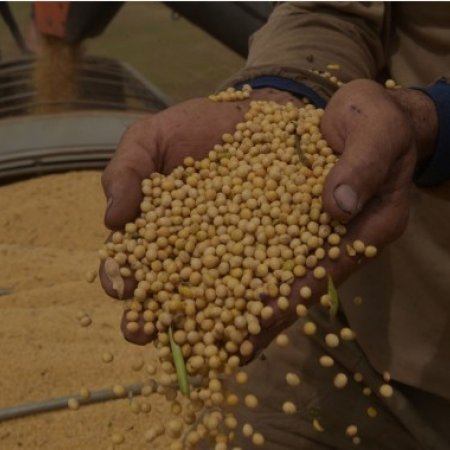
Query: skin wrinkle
x,y
356,109
424,121
384,146
117,214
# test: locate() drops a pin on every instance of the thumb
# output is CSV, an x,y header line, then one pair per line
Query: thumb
x,y
122,178
362,126
356,178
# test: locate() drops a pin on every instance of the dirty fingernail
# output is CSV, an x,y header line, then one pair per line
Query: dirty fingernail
x,y
346,198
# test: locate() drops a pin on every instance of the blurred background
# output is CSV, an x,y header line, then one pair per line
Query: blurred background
x,y
76,74
165,42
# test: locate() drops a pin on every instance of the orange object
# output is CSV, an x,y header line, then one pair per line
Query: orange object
x,y
51,18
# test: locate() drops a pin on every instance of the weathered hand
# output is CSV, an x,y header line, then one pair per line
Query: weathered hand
x,y
380,136
160,144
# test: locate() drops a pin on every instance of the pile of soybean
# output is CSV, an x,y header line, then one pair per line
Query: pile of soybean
x,y
213,239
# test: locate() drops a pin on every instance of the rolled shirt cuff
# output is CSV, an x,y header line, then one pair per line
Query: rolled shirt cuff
x,y
285,84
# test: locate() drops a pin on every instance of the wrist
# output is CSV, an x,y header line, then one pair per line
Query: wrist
x,y
437,170
421,111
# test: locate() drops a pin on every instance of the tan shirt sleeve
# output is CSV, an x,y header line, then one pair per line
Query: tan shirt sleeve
x,y
302,37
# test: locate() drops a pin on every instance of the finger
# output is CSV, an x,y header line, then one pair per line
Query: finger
x,y
357,176
122,178
370,134
133,335
107,280
382,221
107,285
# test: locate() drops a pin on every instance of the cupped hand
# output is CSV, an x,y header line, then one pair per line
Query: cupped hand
x,y
160,143
380,137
